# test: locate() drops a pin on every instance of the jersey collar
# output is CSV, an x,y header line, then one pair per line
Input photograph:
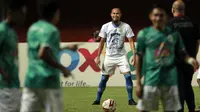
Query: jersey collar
x,y
179,15
115,25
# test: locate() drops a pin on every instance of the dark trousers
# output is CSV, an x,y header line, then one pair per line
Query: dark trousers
x,y
186,93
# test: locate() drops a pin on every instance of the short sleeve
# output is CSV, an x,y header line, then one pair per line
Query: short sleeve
x,y
129,32
2,37
102,33
47,39
180,45
140,46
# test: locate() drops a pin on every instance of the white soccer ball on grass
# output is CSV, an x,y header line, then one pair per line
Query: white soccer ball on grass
x,y
109,105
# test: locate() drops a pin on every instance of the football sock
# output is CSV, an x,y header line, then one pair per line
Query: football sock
x,y
129,85
102,86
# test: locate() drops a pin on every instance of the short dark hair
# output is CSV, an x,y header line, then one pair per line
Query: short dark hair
x,y
157,6
48,10
117,8
15,5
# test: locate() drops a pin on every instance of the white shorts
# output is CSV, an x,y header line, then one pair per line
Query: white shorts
x,y
198,74
10,99
151,96
34,100
110,63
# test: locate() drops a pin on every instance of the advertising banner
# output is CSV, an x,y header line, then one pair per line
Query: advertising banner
x,y
82,65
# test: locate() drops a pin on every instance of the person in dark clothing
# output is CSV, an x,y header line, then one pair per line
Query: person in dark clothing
x,y
190,36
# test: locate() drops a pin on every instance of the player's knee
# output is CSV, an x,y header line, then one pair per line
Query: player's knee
x,y
127,75
129,83
103,82
105,78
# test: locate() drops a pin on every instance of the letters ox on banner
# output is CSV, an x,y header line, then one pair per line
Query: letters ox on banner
x,y
82,65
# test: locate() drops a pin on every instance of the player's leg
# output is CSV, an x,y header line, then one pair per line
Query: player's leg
x,y
53,100
108,67
150,99
170,98
10,99
101,88
125,69
181,88
30,101
189,93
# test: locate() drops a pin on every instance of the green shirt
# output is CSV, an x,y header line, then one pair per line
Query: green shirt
x,y
8,56
40,74
160,66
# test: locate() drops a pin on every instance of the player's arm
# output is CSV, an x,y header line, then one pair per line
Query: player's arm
x,y
100,48
102,35
183,54
190,60
130,36
138,68
2,72
140,50
132,46
45,52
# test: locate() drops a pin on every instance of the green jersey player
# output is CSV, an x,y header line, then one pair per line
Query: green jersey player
x,y
157,47
42,83
10,94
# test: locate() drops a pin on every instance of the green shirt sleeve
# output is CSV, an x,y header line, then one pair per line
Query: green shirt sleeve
x,y
47,39
140,46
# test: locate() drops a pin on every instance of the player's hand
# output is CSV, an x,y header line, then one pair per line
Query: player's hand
x,y
97,61
194,63
73,47
139,90
5,76
66,73
133,61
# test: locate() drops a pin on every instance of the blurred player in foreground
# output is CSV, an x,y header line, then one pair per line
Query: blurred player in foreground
x,y
42,83
10,93
95,36
190,35
115,32
158,45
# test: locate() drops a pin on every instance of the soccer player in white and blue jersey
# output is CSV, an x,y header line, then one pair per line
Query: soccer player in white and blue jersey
x,y
114,33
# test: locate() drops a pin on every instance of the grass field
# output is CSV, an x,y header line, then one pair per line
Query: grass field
x,y
80,99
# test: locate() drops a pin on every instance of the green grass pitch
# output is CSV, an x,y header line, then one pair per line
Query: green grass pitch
x,y
80,99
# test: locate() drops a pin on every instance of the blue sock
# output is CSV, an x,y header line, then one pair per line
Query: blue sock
x,y
129,86
102,86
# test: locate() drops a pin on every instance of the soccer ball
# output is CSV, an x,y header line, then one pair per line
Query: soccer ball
x,y
109,105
